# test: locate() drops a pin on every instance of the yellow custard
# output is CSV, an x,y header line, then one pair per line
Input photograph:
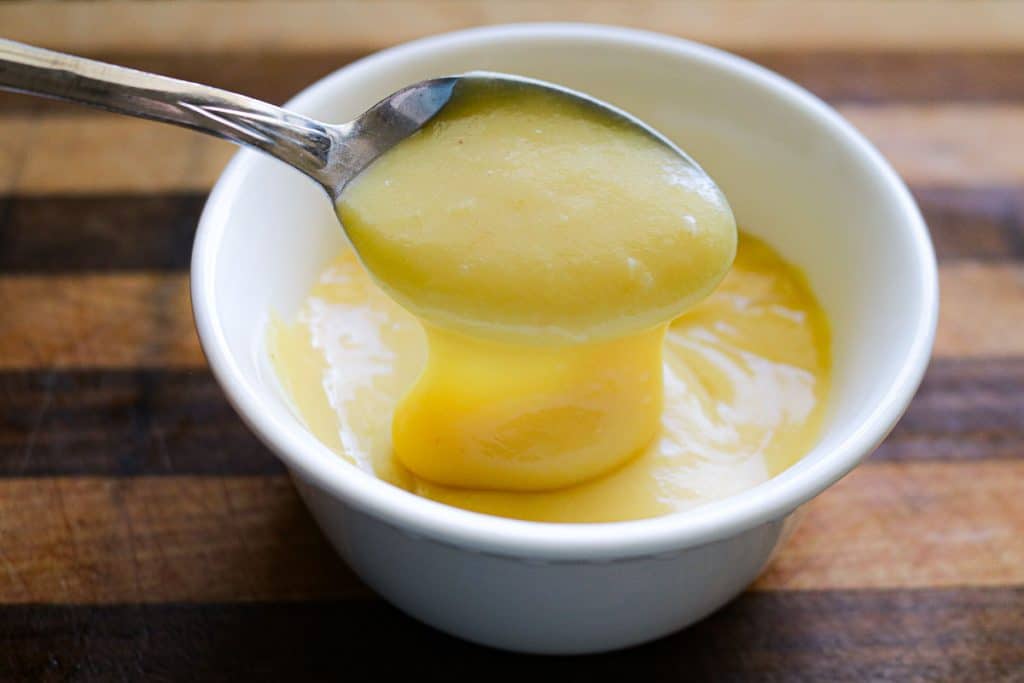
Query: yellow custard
x,y
545,246
745,375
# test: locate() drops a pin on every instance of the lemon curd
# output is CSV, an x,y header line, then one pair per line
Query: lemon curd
x,y
544,245
745,372
535,341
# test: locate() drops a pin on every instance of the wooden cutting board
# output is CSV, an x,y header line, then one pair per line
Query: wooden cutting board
x,y
145,534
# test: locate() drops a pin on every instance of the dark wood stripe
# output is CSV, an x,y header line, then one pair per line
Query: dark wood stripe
x,y
899,635
98,232
838,76
965,409
177,422
907,76
73,233
123,423
269,76
974,223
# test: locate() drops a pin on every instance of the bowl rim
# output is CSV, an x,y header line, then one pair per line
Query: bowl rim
x,y
765,503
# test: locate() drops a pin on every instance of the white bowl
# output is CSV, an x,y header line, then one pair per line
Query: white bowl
x,y
795,173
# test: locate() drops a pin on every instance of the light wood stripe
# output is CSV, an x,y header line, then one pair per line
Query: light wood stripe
x,y
95,540
97,321
16,138
145,321
981,309
103,153
957,145
910,524
299,26
88,540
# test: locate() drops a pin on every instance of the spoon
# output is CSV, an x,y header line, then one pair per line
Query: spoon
x,y
332,155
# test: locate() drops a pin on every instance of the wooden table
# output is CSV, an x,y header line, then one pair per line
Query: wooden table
x,y
145,534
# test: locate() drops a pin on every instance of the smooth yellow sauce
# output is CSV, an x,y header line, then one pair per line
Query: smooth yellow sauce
x,y
523,216
545,247
746,375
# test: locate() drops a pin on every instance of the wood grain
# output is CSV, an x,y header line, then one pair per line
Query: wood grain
x,y
143,320
982,306
840,76
275,76
948,146
124,423
909,524
106,153
974,223
160,539
145,534
127,320
903,635
61,233
959,145
886,77
71,233
312,26
89,540
15,132
966,408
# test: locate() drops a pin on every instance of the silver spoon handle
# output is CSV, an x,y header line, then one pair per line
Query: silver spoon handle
x,y
296,140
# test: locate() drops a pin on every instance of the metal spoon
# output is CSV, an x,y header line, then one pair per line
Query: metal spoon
x,y
332,155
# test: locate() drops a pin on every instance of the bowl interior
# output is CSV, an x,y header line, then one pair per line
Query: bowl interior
x,y
793,172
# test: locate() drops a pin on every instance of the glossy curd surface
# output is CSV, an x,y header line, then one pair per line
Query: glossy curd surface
x,y
545,245
745,377
522,215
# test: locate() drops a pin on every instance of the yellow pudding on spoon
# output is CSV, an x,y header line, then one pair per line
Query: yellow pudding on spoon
x,y
521,215
545,247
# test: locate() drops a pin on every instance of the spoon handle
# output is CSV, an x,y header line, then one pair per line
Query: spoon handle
x,y
296,140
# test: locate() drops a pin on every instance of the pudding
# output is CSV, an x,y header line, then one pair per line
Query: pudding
x,y
745,374
545,245
526,329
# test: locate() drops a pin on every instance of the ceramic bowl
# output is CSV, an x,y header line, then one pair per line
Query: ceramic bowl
x,y
796,174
